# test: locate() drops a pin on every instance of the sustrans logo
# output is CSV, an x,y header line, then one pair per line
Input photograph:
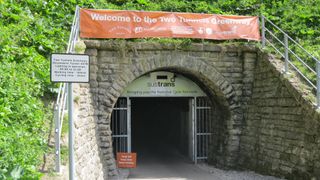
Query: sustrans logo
x,y
161,84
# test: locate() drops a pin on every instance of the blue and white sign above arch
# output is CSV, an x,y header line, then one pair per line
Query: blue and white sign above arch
x,y
162,84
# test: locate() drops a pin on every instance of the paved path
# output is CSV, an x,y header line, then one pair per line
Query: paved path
x,y
170,165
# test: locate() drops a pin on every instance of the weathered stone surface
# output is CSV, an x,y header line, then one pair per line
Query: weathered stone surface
x,y
91,52
261,122
86,143
274,140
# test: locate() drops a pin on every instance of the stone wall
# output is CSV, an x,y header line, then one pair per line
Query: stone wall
x,y
281,133
88,161
224,73
261,121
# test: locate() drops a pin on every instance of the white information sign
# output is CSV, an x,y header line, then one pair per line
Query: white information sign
x,y
69,68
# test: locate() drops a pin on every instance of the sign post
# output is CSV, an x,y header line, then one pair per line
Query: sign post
x,y
71,129
70,68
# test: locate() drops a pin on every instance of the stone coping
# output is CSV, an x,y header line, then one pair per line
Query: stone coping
x,y
151,46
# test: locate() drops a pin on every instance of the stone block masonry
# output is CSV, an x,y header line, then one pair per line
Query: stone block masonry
x,y
260,122
281,131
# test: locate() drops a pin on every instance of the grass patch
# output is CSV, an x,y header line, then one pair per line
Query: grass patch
x,y
65,126
64,151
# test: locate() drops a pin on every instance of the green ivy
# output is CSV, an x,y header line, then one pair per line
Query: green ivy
x,y
30,30
21,119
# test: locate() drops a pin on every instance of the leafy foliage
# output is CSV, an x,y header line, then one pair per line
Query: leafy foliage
x,y
30,30
21,118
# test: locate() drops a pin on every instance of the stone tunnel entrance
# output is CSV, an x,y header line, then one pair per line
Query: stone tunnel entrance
x,y
124,83
259,120
162,115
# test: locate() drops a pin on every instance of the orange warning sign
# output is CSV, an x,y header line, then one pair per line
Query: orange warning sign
x,y
127,160
140,24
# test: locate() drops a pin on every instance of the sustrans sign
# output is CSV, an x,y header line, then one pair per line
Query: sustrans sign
x,y
141,24
162,84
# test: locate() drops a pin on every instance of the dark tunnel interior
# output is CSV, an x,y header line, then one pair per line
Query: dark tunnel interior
x,y
160,123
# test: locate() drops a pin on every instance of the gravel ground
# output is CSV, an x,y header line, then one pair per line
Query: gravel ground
x,y
169,165
187,171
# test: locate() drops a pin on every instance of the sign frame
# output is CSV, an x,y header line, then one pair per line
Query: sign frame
x,y
67,81
121,164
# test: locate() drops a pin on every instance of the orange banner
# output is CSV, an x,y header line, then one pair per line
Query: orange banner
x,y
140,24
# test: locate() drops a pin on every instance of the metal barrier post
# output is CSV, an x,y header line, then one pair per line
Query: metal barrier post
x,y
263,32
318,84
286,54
57,138
59,108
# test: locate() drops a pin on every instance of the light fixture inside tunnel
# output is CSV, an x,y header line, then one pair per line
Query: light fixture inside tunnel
x,y
162,77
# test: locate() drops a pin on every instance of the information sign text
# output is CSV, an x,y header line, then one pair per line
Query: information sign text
x,y
69,68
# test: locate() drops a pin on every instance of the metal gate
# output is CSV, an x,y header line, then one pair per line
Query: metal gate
x,y
121,125
202,128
